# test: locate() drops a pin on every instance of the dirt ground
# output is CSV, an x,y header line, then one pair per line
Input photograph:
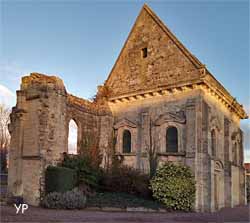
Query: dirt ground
x,y
34,214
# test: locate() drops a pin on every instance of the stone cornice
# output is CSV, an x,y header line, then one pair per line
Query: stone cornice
x,y
214,86
161,90
208,84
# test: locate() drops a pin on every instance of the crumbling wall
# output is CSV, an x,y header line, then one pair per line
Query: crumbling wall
x,y
39,131
36,136
94,122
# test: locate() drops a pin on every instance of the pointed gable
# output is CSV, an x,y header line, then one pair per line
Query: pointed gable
x,y
151,57
125,123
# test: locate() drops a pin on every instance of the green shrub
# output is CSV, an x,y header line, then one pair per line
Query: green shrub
x,y
53,200
121,200
69,200
59,179
248,188
174,186
127,180
86,173
74,200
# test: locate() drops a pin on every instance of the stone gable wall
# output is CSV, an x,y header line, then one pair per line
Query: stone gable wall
x,y
165,64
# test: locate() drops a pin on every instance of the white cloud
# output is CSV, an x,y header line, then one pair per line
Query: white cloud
x,y
7,97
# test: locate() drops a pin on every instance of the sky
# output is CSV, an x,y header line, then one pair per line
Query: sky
x,y
72,142
79,41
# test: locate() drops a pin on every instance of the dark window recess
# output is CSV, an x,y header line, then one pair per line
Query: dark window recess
x,y
172,139
144,52
213,142
126,147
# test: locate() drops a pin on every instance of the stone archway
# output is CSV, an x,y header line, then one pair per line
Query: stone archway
x,y
217,185
72,137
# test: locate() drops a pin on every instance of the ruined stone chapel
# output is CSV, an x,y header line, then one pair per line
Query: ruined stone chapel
x,y
158,95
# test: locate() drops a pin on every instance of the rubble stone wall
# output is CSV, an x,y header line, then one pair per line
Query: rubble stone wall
x,y
165,63
39,131
39,136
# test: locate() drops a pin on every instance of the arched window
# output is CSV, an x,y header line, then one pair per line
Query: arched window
x,y
172,140
72,137
126,142
213,143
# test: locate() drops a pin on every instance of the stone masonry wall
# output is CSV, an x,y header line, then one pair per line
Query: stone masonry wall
x,y
229,174
216,187
136,117
165,64
39,131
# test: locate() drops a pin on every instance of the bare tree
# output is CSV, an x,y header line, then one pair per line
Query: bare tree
x,y
4,134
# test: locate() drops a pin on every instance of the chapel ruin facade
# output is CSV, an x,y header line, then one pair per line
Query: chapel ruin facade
x,y
158,95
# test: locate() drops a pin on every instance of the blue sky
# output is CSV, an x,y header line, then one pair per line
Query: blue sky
x,y
80,40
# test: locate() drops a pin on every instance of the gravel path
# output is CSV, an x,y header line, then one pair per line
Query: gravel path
x,y
34,214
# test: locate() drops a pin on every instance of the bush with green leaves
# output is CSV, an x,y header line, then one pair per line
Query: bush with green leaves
x,y
86,173
59,179
174,186
73,199
127,180
53,200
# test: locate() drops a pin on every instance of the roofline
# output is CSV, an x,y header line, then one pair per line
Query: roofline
x,y
204,84
190,56
234,104
133,27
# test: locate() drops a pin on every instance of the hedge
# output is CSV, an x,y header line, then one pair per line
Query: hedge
x,y
248,188
121,200
59,179
126,179
87,174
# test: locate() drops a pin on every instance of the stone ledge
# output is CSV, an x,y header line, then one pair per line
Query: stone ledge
x,y
172,154
112,209
31,157
125,154
128,209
